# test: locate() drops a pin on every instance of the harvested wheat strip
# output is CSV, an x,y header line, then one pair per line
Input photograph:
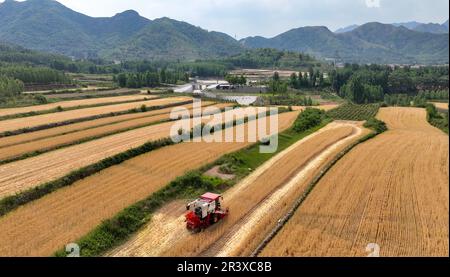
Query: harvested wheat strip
x,y
73,211
53,118
74,104
53,142
392,191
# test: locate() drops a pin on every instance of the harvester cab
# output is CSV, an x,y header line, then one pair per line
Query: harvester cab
x,y
204,212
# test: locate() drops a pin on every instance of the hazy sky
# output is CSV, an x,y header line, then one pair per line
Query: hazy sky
x,y
271,17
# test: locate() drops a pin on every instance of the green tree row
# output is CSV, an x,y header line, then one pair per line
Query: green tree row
x,y
150,78
312,79
236,80
369,83
35,75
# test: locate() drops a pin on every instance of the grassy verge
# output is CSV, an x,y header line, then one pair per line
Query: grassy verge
x,y
116,230
61,109
78,120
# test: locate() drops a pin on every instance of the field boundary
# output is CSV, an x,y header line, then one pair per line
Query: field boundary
x,y
83,119
308,190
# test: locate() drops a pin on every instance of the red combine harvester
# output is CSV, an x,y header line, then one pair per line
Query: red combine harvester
x,y
204,212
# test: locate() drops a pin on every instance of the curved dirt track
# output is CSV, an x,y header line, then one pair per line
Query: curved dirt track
x,y
38,120
66,139
72,212
74,103
392,191
166,235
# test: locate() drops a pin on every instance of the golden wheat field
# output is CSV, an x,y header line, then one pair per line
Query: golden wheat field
x,y
44,119
74,103
66,139
71,212
392,191
71,128
248,198
24,174
162,235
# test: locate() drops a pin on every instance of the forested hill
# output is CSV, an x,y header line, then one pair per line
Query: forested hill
x,y
55,28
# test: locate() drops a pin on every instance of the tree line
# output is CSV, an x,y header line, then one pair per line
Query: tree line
x,y
150,78
370,83
34,75
312,79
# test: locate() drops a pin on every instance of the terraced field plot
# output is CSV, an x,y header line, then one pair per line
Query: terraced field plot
x,y
392,191
24,174
65,139
71,212
33,121
166,233
75,103
71,128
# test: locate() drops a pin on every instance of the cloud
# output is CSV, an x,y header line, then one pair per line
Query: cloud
x,y
373,3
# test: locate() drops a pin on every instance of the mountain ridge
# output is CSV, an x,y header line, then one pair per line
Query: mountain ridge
x,y
412,25
370,43
47,25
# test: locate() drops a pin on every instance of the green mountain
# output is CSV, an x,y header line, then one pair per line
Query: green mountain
x,y
167,38
369,43
47,25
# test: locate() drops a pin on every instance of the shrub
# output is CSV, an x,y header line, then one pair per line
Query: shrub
x,y
309,118
377,125
436,119
40,99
